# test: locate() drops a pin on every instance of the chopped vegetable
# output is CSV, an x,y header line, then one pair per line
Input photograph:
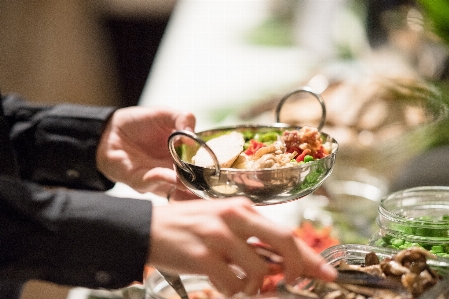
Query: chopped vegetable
x,y
301,157
253,147
274,147
413,231
317,238
308,158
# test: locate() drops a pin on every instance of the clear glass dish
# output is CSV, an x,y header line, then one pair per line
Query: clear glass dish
x,y
354,254
415,216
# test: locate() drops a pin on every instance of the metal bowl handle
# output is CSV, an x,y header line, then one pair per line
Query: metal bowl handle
x,y
182,164
307,90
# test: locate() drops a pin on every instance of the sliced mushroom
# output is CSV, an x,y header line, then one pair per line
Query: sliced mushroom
x,y
371,259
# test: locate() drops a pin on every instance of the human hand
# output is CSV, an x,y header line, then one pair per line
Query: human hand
x,y
134,149
207,237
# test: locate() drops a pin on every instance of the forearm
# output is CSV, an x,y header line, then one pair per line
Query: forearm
x,y
56,145
71,237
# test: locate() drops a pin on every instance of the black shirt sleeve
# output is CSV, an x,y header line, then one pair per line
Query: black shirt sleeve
x,y
56,145
62,235
83,238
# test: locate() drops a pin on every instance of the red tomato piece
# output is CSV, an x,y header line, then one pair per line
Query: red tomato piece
x,y
254,147
300,157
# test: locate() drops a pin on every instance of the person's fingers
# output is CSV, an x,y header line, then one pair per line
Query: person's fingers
x,y
181,195
215,236
185,121
311,264
163,182
234,249
253,267
299,259
201,237
246,264
211,262
160,181
224,278
241,268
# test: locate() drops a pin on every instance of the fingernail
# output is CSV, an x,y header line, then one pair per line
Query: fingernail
x,y
239,296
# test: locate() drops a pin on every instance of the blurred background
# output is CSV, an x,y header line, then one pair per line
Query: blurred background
x,y
89,52
381,66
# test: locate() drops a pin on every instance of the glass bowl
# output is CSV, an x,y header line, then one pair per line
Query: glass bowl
x,y
354,195
354,254
415,217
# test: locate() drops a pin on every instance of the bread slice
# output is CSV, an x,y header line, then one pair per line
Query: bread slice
x,y
226,147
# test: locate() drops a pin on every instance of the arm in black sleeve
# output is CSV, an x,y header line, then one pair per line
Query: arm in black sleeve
x,y
83,238
56,145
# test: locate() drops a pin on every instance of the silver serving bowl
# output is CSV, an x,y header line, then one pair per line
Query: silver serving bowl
x,y
262,186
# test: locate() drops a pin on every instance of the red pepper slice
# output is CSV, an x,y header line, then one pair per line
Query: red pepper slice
x,y
254,147
321,153
300,157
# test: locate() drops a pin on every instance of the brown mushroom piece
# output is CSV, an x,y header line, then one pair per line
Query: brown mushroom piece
x,y
414,259
415,251
373,269
392,268
371,258
418,283
408,267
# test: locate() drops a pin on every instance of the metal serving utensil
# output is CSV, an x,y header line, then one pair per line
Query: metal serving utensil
x,y
361,278
174,280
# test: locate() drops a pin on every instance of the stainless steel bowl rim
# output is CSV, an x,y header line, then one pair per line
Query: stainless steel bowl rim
x,y
195,136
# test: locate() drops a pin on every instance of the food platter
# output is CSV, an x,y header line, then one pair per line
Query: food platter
x,y
264,186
